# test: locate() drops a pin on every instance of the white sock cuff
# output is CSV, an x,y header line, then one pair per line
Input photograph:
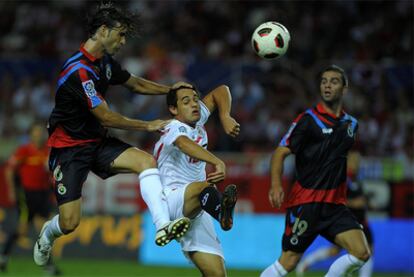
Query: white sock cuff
x,y
148,172
55,222
355,261
280,268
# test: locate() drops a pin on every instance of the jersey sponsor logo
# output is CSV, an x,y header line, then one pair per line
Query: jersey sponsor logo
x,y
108,71
327,131
89,88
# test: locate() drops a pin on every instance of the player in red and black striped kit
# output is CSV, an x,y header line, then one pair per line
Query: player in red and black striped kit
x,y
320,138
357,204
78,130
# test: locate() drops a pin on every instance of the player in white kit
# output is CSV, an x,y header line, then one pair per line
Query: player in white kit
x,y
182,155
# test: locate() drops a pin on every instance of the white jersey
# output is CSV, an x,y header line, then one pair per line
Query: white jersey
x,y
177,168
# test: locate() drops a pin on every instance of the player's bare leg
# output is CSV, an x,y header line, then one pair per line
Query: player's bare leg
x,y
356,244
192,205
285,264
210,265
64,223
134,160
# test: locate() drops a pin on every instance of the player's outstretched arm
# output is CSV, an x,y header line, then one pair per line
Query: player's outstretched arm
x,y
144,86
109,118
197,152
9,173
220,98
276,194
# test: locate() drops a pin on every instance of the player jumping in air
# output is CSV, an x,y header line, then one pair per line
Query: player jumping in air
x,y
78,130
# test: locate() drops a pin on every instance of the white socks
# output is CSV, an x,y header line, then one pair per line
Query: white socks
x,y
316,256
344,265
151,191
52,231
274,270
366,269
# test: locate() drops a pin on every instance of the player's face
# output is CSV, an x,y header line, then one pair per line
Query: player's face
x,y
36,134
188,107
114,38
331,87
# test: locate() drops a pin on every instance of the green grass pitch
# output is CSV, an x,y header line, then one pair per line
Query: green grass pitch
x,y
24,267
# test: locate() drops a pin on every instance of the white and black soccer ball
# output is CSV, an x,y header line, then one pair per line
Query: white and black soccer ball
x,y
270,40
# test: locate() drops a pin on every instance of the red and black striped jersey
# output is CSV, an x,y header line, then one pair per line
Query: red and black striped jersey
x,y
321,142
82,85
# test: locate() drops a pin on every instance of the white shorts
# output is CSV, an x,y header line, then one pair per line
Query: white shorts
x,y
202,235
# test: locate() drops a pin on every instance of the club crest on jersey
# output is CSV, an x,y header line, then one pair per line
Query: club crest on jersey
x,y
89,88
350,130
108,71
182,129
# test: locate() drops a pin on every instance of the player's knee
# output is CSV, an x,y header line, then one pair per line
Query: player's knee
x,y
68,224
362,254
144,163
289,265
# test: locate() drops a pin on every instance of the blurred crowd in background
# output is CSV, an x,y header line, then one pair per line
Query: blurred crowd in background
x,y
208,43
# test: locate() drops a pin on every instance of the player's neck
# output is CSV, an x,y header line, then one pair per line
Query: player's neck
x,y
333,108
37,144
94,47
191,124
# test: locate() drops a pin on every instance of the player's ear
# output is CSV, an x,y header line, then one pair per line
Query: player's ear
x,y
103,31
173,110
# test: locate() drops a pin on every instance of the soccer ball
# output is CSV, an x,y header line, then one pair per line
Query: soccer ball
x,y
270,40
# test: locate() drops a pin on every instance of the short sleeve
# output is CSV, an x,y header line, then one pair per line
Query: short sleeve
x,y
295,137
354,189
118,75
174,130
204,113
83,86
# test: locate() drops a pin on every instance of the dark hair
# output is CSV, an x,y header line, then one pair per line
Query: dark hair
x,y
338,69
172,95
109,15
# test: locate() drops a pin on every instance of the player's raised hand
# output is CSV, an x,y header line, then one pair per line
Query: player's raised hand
x,y
231,126
276,196
218,175
182,84
157,125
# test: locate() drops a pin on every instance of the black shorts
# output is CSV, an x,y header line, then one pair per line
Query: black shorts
x,y
38,203
305,222
70,165
368,233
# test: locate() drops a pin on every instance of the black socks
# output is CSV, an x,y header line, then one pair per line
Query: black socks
x,y
210,201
